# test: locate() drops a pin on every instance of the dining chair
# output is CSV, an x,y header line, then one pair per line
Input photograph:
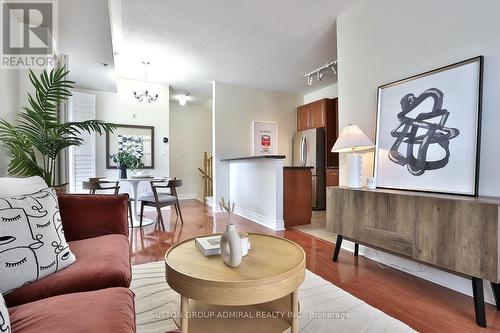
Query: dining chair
x,y
158,199
97,184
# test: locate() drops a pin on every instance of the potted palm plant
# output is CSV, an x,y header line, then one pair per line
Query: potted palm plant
x,y
36,141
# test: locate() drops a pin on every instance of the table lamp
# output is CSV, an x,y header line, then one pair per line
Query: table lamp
x,y
352,139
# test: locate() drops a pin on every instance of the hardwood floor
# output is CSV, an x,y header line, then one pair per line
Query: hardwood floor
x,y
423,305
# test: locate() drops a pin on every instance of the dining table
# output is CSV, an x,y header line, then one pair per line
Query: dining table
x,y
134,184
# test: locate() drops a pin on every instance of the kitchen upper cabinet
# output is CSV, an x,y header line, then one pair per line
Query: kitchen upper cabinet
x,y
317,114
312,115
303,116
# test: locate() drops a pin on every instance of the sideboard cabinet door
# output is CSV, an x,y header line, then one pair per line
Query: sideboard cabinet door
x,y
391,229
458,235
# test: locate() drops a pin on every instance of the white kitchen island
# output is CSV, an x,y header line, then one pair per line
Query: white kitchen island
x,y
256,188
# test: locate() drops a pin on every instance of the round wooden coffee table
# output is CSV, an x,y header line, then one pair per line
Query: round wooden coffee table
x,y
261,295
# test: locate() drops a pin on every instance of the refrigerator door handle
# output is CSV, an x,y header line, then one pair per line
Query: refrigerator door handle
x,y
303,150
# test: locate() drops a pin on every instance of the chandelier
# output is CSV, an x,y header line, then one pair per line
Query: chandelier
x,y
145,95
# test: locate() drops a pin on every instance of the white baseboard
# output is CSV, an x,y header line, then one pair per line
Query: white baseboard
x,y
209,201
267,222
188,196
442,278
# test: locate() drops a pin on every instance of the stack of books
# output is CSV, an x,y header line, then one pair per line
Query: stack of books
x,y
209,246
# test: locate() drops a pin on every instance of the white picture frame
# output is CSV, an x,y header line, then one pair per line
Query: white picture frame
x,y
264,138
428,131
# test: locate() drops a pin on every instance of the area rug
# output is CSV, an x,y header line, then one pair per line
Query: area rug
x,y
324,307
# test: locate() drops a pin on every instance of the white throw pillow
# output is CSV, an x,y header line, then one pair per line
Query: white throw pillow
x,y
4,317
10,187
32,243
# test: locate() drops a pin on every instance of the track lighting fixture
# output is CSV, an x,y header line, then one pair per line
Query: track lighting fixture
x,y
320,72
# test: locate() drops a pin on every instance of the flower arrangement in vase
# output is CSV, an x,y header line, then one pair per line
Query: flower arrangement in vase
x,y
127,159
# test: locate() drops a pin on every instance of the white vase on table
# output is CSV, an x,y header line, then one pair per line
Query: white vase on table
x,y
230,246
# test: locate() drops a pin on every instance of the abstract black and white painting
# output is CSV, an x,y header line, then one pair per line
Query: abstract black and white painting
x,y
132,138
428,128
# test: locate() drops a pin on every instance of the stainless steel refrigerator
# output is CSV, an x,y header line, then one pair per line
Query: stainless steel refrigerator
x,y
309,150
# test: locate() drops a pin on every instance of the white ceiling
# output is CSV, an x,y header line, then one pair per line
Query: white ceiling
x,y
260,43
85,36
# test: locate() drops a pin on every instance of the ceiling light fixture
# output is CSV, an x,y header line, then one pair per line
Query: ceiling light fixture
x,y
320,75
146,93
183,99
320,72
310,80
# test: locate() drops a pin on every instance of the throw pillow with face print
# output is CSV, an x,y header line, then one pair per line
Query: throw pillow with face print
x,y
32,243
4,317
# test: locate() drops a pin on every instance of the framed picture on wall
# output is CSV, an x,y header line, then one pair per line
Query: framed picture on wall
x,y
265,138
137,139
428,130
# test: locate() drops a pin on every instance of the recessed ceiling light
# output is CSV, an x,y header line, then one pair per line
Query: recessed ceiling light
x,y
183,99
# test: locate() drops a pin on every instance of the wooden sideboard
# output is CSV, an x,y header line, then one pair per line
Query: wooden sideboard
x,y
456,233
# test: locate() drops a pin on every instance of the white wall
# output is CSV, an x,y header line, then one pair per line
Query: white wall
x,y
9,106
190,137
235,107
120,108
386,40
14,88
330,91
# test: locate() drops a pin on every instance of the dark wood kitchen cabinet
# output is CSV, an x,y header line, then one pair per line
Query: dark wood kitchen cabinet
x,y
297,196
332,133
317,114
302,118
313,115
332,177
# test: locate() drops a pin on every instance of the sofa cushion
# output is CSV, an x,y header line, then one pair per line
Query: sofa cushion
x,y
32,243
103,262
107,310
11,187
4,317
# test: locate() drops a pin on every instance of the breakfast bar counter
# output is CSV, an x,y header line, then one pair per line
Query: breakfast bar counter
x,y
256,188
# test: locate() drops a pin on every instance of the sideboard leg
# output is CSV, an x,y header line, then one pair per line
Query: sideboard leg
x,y
496,293
338,244
477,290
356,249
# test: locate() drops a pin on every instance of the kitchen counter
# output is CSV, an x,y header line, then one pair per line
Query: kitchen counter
x,y
244,158
255,185
297,168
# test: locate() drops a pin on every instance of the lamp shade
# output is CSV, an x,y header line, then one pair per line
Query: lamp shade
x,y
352,138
